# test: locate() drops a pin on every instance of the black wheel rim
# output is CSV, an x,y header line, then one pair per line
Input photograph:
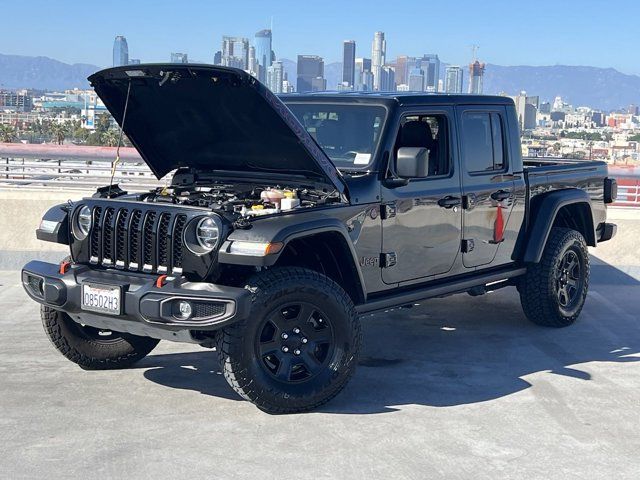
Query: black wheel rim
x,y
295,342
569,279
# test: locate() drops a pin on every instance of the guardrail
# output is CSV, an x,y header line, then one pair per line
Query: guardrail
x,y
72,167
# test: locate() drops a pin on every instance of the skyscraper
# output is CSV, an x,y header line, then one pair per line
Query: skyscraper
x,y
363,76
120,51
387,79
179,58
252,65
263,41
402,72
235,52
217,58
378,58
310,70
430,65
416,80
453,79
476,74
349,62
275,77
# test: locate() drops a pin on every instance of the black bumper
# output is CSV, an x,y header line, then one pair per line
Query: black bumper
x,y
606,231
143,303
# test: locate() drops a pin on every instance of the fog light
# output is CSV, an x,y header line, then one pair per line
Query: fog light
x,y
183,310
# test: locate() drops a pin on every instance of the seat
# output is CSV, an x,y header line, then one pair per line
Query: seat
x,y
416,133
330,136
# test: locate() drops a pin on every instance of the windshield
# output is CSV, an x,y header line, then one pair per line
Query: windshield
x,y
349,134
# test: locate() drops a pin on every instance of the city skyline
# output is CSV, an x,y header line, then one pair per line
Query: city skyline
x,y
545,37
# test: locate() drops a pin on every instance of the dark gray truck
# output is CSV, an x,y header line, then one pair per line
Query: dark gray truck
x,y
286,219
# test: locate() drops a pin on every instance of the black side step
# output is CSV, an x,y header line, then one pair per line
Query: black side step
x,y
440,289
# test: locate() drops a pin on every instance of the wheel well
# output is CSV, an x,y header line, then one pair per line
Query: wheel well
x,y
329,254
577,216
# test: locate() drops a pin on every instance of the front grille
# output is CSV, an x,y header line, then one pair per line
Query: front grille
x,y
138,240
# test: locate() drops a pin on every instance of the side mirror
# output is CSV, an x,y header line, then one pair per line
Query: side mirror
x,y
412,162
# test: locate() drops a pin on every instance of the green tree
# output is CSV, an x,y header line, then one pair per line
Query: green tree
x,y
60,131
110,138
8,133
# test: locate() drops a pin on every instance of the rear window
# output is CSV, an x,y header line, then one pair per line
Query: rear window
x,y
482,142
349,134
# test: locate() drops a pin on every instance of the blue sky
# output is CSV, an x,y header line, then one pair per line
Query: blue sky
x,y
542,32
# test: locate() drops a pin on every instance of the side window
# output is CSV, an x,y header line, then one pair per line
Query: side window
x,y
482,142
430,132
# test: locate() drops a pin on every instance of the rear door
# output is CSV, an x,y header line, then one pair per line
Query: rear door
x,y
487,182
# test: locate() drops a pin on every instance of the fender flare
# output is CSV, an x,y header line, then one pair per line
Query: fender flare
x,y
58,231
286,229
544,215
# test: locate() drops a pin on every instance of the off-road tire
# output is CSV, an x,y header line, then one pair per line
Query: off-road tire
x,y
274,292
539,286
83,346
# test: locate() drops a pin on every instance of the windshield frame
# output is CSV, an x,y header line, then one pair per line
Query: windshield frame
x,y
291,100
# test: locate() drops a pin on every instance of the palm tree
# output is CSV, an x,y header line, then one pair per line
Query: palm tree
x,y
110,138
60,132
7,133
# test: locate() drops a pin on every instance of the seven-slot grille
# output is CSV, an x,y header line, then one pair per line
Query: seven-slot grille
x,y
140,240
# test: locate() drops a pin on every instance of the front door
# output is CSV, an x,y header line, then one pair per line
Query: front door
x,y
487,182
422,220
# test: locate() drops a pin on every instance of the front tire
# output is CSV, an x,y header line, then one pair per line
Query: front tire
x,y
91,348
553,291
299,345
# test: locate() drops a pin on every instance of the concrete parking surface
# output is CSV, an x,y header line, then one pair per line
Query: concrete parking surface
x,y
455,388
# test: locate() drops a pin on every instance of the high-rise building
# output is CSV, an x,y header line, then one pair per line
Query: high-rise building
x,y
134,61
217,58
453,79
120,51
476,75
402,72
252,64
526,111
264,55
430,65
363,76
387,79
275,77
349,63
378,58
179,58
310,68
416,80
235,52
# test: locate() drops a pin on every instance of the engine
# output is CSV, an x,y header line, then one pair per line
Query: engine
x,y
239,201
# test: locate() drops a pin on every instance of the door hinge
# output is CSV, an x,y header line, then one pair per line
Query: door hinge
x,y
387,211
388,260
467,245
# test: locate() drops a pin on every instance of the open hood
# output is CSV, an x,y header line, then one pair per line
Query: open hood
x,y
211,118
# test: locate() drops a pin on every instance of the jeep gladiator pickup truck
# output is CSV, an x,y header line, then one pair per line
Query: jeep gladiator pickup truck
x,y
288,218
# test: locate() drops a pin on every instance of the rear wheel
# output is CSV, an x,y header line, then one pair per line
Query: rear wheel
x,y
92,348
299,345
553,291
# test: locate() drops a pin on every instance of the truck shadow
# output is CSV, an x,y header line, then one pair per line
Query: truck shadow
x,y
457,350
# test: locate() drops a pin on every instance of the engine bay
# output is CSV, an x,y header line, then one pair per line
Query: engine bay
x,y
241,201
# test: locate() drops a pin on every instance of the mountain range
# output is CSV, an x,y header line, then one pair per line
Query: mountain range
x,y
604,88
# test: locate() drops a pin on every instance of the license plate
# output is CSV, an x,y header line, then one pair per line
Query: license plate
x,y
101,298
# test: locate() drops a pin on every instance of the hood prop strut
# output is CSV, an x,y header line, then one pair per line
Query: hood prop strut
x,y
114,164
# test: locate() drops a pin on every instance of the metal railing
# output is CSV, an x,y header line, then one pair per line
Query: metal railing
x,y
72,167
628,193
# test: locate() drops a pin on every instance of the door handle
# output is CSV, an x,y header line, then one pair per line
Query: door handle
x,y
449,202
501,195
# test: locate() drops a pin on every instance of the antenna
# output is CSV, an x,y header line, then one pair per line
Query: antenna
x,y
117,160
474,50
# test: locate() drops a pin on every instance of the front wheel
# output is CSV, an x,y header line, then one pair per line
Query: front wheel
x,y
553,291
91,348
299,345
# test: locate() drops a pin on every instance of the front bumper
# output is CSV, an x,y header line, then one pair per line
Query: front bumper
x,y
146,308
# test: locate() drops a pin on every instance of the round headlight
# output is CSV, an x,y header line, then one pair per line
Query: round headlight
x,y
83,223
207,233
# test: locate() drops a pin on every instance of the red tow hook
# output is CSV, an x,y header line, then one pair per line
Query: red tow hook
x,y
64,267
160,281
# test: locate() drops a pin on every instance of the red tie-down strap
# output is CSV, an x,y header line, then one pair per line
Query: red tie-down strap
x,y
160,281
498,226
